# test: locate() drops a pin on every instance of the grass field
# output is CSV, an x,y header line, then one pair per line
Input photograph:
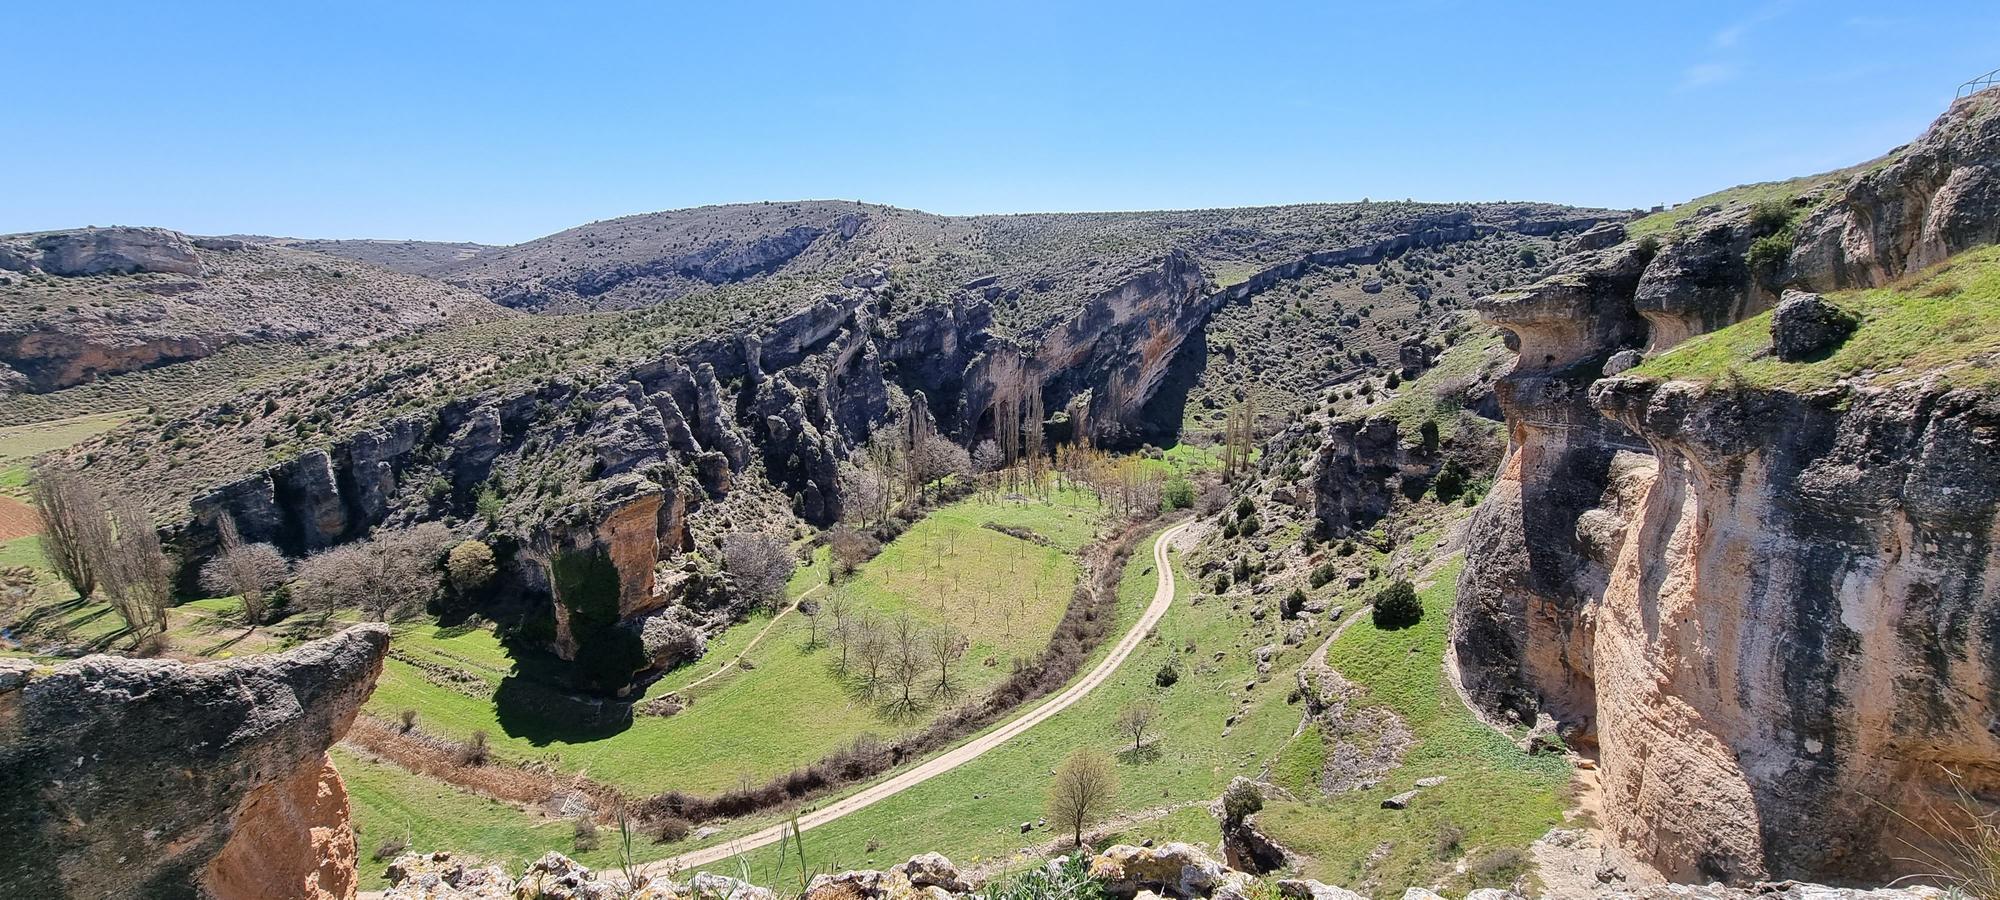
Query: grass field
x,y
1496,801
1944,321
1004,593
20,444
974,812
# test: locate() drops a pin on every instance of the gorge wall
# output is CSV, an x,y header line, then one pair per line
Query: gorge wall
x,y
146,778
1770,610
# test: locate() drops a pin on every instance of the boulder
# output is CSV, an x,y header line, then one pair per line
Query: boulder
x,y
439,876
1806,327
1400,801
1179,868
933,870
722,887
1307,889
1623,361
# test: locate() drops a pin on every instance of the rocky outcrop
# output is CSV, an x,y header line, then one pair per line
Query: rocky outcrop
x,y
1362,467
1771,612
182,780
1796,650
101,251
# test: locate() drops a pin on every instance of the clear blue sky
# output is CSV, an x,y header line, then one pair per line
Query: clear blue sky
x,y
500,122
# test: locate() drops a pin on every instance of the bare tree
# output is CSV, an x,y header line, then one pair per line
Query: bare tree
x,y
76,533
136,574
864,495
907,663
1135,720
943,649
986,456
937,457
847,549
759,563
249,571
1082,791
871,653
386,575
841,631
811,610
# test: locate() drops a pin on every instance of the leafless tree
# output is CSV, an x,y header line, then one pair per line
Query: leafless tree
x,y
1135,720
136,574
986,456
387,575
848,549
76,532
811,609
943,649
759,563
1082,791
249,571
864,495
871,653
906,659
841,629
937,457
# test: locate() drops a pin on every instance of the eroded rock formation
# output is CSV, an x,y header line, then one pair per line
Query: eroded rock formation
x,y
148,778
1773,612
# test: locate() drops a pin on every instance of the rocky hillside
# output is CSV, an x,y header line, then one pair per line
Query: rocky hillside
x,y
409,257
76,306
1741,544
574,430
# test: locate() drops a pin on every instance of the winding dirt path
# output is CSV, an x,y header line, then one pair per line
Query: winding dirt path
x,y
1163,597
754,641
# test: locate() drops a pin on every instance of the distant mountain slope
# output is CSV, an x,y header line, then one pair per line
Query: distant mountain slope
x,y
79,305
412,257
1034,267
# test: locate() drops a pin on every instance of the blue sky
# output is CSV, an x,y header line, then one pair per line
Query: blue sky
x,y
500,122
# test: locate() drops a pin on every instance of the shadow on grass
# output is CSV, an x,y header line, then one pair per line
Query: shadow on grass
x,y
544,715
1139,756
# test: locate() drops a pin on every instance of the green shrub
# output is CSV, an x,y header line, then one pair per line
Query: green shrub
x,y
1323,575
1397,606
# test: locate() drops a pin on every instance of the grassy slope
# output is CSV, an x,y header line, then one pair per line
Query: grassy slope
x,y
390,803
20,444
1945,320
1747,195
746,723
1501,798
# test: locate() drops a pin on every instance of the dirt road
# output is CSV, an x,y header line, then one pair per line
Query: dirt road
x,y
1163,597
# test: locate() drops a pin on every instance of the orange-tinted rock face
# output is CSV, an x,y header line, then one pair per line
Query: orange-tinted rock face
x,y
1796,651
1776,614
293,838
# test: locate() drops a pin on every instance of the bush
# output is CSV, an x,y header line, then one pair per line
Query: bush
x,y
1178,494
1397,606
474,752
470,567
1240,801
1768,254
1770,216
671,829
1295,602
1222,582
1247,526
586,834
1323,575
408,718
389,849
1168,675
1450,482
1245,508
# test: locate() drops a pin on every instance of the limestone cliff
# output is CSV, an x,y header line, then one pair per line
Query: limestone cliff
x,y
142,778
1770,606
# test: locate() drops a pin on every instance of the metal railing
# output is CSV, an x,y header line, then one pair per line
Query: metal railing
x,y
1977,84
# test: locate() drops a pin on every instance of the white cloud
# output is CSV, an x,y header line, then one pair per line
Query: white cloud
x,y
1733,34
1703,75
